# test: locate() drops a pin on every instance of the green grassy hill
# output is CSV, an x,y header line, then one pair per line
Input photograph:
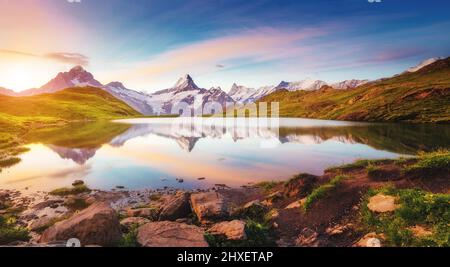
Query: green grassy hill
x,y
73,104
20,116
423,96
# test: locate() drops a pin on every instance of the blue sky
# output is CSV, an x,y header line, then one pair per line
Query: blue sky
x,y
148,44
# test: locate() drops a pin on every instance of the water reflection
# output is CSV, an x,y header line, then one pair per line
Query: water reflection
x,y
154,152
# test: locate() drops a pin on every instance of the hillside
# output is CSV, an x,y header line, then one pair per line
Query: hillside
x,y
420,97
73,104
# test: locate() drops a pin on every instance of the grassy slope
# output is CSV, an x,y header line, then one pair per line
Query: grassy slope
x,y
19,115
423,96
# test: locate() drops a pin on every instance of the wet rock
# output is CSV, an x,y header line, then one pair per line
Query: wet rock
x,y
233,230
97,225
300,185
77,183
175,207
171,234
382,203
210,206
128,223
373,240
149,213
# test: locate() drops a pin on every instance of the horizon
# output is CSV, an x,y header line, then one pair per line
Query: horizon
x,y
252,43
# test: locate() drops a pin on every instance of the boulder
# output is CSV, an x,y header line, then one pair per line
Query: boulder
x,y
127,223
233,230
382,203
175,207
149,213
97,225
170,234
210,206
372,240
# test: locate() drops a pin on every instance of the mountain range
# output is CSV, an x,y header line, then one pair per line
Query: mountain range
x,y
186,90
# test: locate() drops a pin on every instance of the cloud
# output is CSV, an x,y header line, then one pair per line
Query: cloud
x,y
62,57
71,58
249,46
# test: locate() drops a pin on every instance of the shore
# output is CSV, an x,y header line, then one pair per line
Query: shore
x,y
404,202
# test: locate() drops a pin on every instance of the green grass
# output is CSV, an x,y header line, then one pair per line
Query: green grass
x,y
416,208
267,185
130,239
10,231
359,164
258,234
322,191
75,190
430,163
8,162
423,96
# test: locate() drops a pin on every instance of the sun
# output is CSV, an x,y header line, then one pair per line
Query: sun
x,y
19,76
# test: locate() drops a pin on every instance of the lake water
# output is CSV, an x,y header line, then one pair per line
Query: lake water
x,y
154,153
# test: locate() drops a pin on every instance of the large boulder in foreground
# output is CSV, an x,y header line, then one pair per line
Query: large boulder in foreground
x,y
176,207
96,225
171,234
210,206
233,230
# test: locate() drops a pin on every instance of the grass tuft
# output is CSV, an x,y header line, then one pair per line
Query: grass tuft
x,y
75,190
322,191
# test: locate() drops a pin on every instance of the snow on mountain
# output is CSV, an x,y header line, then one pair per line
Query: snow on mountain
x,y
307,84
76,77
241,93
187,92
348,84
424,64
137,100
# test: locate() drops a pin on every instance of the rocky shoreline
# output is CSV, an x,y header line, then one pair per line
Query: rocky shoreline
x,y
352,205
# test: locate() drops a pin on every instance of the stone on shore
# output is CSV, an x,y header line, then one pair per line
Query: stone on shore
x,y
171,234
233,230
210,206
96,225
176,207
149,213
382,203
371,240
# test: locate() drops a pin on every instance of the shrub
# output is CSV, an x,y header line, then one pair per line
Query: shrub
x,y
75,190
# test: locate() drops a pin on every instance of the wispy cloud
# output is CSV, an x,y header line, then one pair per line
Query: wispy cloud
x,y
62,57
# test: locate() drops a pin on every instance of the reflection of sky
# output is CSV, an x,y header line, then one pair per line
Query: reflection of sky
x,y
155,162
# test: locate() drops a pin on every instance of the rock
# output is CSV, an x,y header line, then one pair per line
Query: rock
x,y
370,240
251,209
307,238
127,223
300,185
274,197
233,230
170,234
420,231
296,204
273,214
42,223
149,213
210,206
382,203
338,229
176,207
77,183
97,225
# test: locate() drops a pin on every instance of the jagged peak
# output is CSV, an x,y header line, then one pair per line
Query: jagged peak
x,y
116,84
186,82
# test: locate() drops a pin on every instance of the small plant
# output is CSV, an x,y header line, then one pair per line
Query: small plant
x,y
10,232
417,208
130,239
75,190
322,191
267,186
430,163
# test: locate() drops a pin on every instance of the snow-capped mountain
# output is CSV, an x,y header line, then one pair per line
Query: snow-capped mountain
x,y
424,64
137,100
186,91
307,84
241,93
348,84
76,77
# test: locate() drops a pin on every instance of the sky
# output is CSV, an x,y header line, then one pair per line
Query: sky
x,y
149,44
